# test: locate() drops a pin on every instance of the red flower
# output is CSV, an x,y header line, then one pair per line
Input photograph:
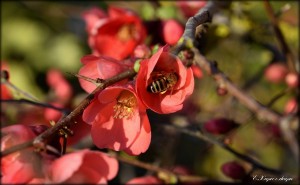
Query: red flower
x,y
145,180
92,17
21,166
157,72
115,35
27,166
119,121
172,31
83,167
276,72
98,67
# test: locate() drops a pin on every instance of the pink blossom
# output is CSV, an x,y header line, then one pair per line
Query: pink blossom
x,y
158,65
99,67
119,120
83,167
21,166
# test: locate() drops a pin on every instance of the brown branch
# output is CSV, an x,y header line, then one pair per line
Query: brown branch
x,y
204,15
198,134
167,173
68,120
262,112
284,47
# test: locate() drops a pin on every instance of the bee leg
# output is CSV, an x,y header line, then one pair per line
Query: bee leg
x,y
163,92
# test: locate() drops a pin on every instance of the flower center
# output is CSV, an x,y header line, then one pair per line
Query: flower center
x,y
124,108
126,32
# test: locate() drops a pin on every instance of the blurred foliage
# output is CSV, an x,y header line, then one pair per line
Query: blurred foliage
x,y
37,36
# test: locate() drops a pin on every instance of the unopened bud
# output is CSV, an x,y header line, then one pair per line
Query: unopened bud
x,y
38,129
233,170
221,91
219,126
142,51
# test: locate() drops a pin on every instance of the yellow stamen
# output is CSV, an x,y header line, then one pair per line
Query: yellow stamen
x,y
126,103
126,32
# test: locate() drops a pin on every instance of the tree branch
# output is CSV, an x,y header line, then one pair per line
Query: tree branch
x,y
200,135
68,120
64,111
284,47
261,112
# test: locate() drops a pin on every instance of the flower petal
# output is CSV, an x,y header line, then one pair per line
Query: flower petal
x,y
123,130
58,171
90,113
143,139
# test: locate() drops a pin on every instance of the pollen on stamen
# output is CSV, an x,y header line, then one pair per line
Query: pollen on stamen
x,y
125,106
126,33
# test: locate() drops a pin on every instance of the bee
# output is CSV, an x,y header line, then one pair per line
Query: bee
x,y
162,82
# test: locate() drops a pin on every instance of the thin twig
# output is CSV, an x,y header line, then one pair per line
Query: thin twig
x,y
262,112
284,47
159,170
221,144
20,91
46,105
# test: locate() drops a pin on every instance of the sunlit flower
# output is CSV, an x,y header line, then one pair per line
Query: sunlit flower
x,y
21,166
163,82
83,167
115,35
99,67
119,120
28,166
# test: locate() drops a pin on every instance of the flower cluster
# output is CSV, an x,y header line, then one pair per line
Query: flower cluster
x,y
118,113
31,167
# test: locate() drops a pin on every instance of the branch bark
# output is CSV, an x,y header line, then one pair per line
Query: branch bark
x,y
67,121
262,112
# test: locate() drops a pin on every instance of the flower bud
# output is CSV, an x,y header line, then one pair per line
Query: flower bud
x,y
219,126
142,51
172,31
233,170
221,91
292,80
38,129
291,106
276,72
